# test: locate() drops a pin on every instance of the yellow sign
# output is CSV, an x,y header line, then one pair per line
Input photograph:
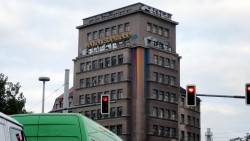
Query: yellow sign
x,y
108,40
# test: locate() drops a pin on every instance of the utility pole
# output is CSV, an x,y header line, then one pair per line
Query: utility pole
x,y
209,135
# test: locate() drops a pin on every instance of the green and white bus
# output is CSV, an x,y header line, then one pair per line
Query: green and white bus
x,y
63,127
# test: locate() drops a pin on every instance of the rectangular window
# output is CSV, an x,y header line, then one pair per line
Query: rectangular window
x,y
94,81
113,30
106,79
126,27
193,121
189,120
113,60
94,64
160,78
95,35
88,99
149,27
120,76
107,32
113,94
88,66
155,112
101,33
100,80
155,129
161,61
113,112
112,128
87,114
172,80
160,30
100,63
82,67
155,76
166,96
172,64
155,94
166,62
94,98
119,111
120,59
113,77
119,93
87,82
107,62
160,132
182,135
154,28
160,113
120,28
82,83
160,97
119,129
156,59
198,123
166,32
166,132
188,136
182,119
172,132
166,114
172,98
93,114
82,99
89,36
99,115
99,97
166,79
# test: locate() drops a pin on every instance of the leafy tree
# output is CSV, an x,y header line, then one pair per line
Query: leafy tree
x,y
11,101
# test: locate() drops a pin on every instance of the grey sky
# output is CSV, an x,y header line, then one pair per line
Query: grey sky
x,y
38,38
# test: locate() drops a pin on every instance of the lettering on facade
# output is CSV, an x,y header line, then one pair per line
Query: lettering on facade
x,y
156,12
154,42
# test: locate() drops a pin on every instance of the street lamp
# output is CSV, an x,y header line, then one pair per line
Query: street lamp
x,y
44,79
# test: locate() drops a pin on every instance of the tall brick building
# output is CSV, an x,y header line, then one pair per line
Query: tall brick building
x,y
130,54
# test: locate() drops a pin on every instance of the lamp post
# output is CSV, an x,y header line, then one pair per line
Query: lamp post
x,y
44,79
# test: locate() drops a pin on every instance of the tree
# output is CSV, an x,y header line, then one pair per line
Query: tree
x,y
11,101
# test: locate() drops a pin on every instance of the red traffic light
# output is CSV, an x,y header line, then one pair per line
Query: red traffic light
x,y
105,104
191,89
104,98
247,94
248,88
191,95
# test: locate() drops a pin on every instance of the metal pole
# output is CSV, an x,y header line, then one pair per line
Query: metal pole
x,y
43,96
66,92
226,96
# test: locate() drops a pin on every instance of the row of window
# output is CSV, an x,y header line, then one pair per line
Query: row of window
x,y
164,131
190,120
165,62
108,31
117,129
101,63
101,79
164,79
96,114
164,96
96,97
195,108
157,29
189,136
164,113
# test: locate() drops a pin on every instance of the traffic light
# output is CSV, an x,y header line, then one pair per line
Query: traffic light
x,y
191,95
105,104
248,93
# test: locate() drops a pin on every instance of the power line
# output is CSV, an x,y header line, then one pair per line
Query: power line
x,y
46,97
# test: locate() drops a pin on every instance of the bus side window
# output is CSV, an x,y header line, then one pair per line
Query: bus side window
x,y
15,135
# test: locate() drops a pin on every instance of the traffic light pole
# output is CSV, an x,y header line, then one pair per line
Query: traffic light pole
x,y
226,96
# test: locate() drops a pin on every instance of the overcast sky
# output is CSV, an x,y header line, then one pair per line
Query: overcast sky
x,y
39,38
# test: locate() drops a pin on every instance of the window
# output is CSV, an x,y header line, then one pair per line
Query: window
x,y
166,114
113,30
160,78
14,133
82,99
99,97
113,77
107,62
120,59
87,114
166,131
119,129
112,128
99,115
126,27
94,98
113,112
156,59
82,84
94,64
160,30
113,94
107,32
155,129
100,79
172,98
120,28
88,99
166,79
100,63
172,132
198,137
166,32
166,96
161,61
87,82
101,33
189,120
155,94
119,111
93,114
172,64
155,112
120,76
88,67
182,119
95,35
149,26
172,80
160,131
182,135
193,136
82,67
70,104
119,93
166,62
160,113
89,36
94,81
60,104
154,28
155,76
113,60
160,97
198,122
106,92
